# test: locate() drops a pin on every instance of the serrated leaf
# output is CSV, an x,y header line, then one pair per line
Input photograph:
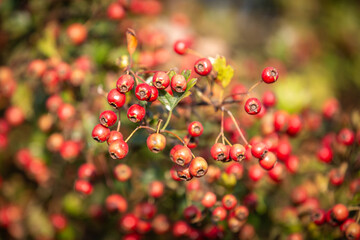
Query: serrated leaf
x,y
224,72
186,73
171,74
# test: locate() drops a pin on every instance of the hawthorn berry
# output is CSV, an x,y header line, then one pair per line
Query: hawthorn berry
x,y
299,195
77,33
339,212
345,137
219,152
116,203
235,169
255,173
234,224
281,120
203,66
147,210
252,106
128,222
237,152
143,227
83,186
241,212
160,224
353,231
330,108
58,221
183,172
154,93
268,161
229,201
180,228
125,83
238,92
292,163
108,118
318,216
283,150
66,112
180,155
156,142
161,80
325,154
195,129
192,214
178,83
143,92
100,133
336,177
208,200
198,167
116,99
180,47
191,142
118,149
269,75
87,171
346,224
114,135
269,99
294,125
122,172
156,189
136,113
277,173
259,150
115,11
219,214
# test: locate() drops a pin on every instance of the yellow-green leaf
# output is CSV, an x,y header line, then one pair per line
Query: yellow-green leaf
x,y
224,72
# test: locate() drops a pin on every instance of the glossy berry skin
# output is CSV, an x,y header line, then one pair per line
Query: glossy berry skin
x,y
143,92
353,231
180,47
180,228
277,173
219,214
154,93
161,80
208,200
183,172
116,99
241,212
125,83
318,217
192,214
122,172
156,142
345,137
198,167
269,99
180,155
325,154
203,66
259,150
255,173
100,133
118,149
219,152
294,125
108,118
281,120
195,129
339,212
136,113
114,135
270,75
283,150
87,171
346,223
229,201
156,189
116,203
237,152
178,83
83,186
252,106
268,161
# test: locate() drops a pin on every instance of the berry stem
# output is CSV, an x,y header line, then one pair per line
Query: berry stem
x,y
119,122
158,125
254,86
175,135
236,125
222,126
167,120
139,127
228,142
193,52
137,77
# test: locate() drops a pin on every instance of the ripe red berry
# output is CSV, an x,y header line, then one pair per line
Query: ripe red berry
x,y
161,80
66,112
114,135
116,99
235,169
83,187
191,142
208,200
143,227
339,212
237,152
268,161
283,150
115,11
100,133
241,212
346,224
294,125
58,221
252,106
325,154
70,150
37,68
118,149
192,214
299,195
180,228
220,152
277,173
156,142
270,75
281,119
108,118
125,83
116,203
180,47
156,189
160,224
178,83
77,33
143,92
229,201
292,164
330,108
195,129
183,172
136,113
147,210
269,99
128,222
219,214
353,231
198,167
180,155
336,177
345,137
53,103
122,172
203,66
259,150
154,93
14,115
318,217
255,172
238,92
87,171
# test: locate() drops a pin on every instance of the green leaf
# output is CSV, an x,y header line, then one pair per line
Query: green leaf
x,y
224,72
186,73
171,74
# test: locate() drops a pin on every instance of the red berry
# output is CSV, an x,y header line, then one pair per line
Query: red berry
x,y
219,152
116,203
236,169
122,172
353,231
125,83
283,150
108,118
203,66
180,228
237,152
143,92
114,135
83,186
195,129
346,224
294,125
14,116
136,113
191,142
336,177
219,214
183,172
268,161
156,189
255,172
87,171
241,212
318,216
115,11
63,71
180,47
345,137
330,108
247,232
198,167
208,200
161,80
277,173
229,201
66,112
128,222
178,83
143,227
53,103
77,33
192,214
252,106
154,93
180,155
339,212
147,210
118,149
100,133
259,150
37,68
238,92
281,119
58,221
156,142
299,195
269,99
160,224
270,75
116,99
325,154
70,150
174,174
292,164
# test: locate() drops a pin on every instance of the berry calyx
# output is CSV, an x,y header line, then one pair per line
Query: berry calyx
x,y
270,75
241,212
143,92
161,80
219,214
237,152
156,142
108,118
252,106
122,172
136,113
183,172
203,66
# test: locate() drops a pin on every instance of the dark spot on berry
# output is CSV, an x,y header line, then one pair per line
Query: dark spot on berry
x,y
180,161
113,105
200,67
273,73
253,107
103,121
133,119
221,157
113,155
155,149
200,173
96,139
178,89
124,88
197,129
158,84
